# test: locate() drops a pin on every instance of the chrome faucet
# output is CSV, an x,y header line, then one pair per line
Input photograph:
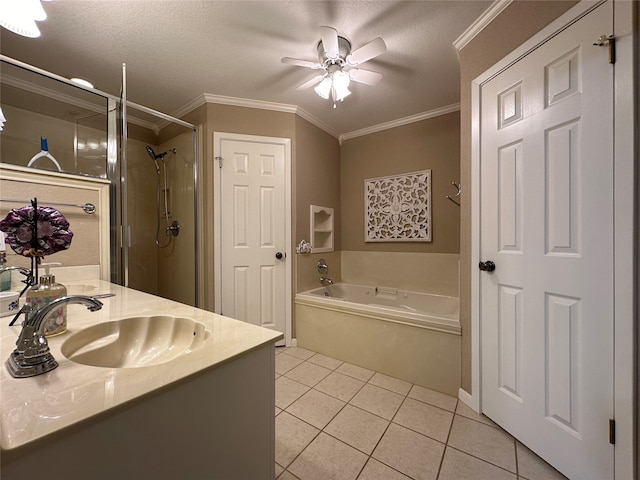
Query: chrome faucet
x,y
32,356
23,270
325,281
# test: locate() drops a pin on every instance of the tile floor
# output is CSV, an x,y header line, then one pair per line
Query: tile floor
x,y
339,421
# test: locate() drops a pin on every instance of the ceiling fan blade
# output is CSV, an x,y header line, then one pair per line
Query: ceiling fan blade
x,y
367,52
310,83
365,76
329,38
301,63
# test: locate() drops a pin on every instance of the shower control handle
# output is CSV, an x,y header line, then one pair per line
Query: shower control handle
x,y
279,255
487,266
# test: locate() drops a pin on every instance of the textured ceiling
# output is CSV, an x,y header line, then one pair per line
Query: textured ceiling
x,y
176,51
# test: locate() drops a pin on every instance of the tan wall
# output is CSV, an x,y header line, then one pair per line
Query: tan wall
x,y
517,23
317,178
429,144
317,182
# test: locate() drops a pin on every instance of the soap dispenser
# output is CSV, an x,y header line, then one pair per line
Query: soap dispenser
x,y
44,293
5,275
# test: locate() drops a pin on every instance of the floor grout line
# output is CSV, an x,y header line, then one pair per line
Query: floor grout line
x,y
370,456
446,443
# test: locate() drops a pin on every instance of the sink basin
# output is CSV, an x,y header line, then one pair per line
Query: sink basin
x,y
135,341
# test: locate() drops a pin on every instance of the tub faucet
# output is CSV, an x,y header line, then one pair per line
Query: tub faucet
x,y
31,356
324,281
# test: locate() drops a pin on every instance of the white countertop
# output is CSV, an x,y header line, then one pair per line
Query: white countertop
x,y
31,408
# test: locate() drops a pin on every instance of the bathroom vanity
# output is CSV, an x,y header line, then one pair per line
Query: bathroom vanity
x,y
207,413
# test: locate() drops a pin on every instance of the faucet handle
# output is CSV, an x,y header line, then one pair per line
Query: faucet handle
x,y
38,346
32,355
323,268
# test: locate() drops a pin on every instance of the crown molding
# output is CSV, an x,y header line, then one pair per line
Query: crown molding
x,y
317,122
287,108
259,104
401,121
481,22
190,107
249,103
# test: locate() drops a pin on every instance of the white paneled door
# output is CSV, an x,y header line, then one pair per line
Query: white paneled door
x,y
253,234
546,178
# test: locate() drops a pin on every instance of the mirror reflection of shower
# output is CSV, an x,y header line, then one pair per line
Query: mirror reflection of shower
x,y
162,199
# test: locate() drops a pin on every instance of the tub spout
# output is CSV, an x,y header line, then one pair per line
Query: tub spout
x,y
31,356
324,281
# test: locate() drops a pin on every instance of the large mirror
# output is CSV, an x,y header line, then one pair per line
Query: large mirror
x,y
51,124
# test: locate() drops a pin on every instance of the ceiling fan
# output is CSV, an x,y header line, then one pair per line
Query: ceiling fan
x,y
338,62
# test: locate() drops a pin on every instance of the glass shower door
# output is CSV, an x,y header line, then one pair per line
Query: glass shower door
x,y
158,204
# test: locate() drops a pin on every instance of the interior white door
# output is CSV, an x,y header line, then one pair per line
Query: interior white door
x,y
253,240
546,212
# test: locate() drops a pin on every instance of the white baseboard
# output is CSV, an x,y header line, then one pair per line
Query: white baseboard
x,y
294,342
467,399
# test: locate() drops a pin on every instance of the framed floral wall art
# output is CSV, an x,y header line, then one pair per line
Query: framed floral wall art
x,y
398,208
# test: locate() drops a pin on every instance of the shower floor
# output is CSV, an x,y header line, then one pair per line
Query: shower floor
x,y
336,420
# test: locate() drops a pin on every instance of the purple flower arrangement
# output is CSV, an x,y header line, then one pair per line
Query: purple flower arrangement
x,y
36,231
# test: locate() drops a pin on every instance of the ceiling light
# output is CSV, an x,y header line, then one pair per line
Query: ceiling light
x,y
334,54
20,16
340,92
340,79
324,87
334,84
82,81
340,85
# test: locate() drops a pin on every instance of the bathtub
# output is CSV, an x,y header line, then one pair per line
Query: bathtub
x,y
424,310
412,336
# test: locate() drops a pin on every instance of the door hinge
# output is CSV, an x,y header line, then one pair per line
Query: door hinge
x,y
219,161
608,41
612,431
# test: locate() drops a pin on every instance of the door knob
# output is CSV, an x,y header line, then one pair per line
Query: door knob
x,y
279,255
487,266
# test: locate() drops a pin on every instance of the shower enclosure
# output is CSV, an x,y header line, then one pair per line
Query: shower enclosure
x,y
96,134
161,199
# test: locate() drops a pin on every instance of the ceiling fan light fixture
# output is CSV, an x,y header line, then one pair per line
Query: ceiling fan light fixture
x,y
340,79
20,16
323,89
334,55
340,93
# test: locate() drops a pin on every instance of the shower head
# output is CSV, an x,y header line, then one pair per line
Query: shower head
x,y
158,156
154,157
